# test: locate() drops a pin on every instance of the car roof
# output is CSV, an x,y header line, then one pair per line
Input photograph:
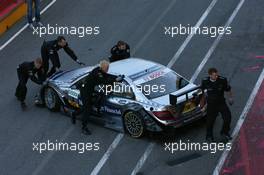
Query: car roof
x,y
131,66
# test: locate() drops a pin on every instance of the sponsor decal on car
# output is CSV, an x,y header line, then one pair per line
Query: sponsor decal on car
x,y
143,73
73,94
110,110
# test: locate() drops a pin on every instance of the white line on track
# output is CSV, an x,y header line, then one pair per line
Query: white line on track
x,y
216,42
143,39
51,153
205,59
240,122
107,154
143,159
24,27
188,39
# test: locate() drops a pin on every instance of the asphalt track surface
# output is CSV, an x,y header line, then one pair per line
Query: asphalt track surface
x,y
140,23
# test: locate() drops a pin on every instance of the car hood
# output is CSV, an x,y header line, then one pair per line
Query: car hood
x,y
165,100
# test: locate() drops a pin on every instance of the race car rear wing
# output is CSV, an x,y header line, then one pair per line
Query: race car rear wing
x,y
174,98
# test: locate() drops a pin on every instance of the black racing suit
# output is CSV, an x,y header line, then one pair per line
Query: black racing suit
x,y
96,77
217,104
117,54
25,71
49,51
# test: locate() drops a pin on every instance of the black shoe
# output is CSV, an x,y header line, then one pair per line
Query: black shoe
x,y
86,131
73,119
23,105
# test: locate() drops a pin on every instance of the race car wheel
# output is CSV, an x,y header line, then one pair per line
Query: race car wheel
x,y
52,100
134,124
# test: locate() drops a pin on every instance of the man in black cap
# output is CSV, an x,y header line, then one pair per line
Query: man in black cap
x,y
216,86
120,51
25,71
49,51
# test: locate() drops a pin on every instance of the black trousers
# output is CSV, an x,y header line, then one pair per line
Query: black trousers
x,y
88,105
212,111
54,59
87,110
21,89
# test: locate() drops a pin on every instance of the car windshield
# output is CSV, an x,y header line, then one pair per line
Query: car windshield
x,y
165,83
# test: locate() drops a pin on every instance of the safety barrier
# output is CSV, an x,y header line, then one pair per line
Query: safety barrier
x,y
10,12
5,3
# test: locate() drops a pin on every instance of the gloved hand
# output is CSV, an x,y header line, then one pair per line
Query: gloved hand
x,y
80,63
120,78
230,101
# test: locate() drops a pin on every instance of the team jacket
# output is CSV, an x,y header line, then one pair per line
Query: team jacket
x,y
28,70
216,89
120,54
51,48
96,77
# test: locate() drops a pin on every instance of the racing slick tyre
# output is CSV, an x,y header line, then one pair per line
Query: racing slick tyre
x,y
51,99
134,124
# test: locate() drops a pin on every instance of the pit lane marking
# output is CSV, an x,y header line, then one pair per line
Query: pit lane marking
x,y
143,39
216,42
107,154
188,39
143,159
198,70
25,26
240,121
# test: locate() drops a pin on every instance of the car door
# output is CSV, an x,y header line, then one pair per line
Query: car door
x,y
111,107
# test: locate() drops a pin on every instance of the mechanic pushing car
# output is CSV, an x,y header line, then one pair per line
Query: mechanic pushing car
x,y
98,76
49,51
216,86
25,71
120,51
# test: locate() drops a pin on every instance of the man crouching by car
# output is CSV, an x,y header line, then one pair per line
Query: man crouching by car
x,y
25,71
98,76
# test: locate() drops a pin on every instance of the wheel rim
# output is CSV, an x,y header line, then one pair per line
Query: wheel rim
x,y
133,124
50,98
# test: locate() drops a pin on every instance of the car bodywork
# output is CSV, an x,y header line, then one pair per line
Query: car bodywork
x,y
177,106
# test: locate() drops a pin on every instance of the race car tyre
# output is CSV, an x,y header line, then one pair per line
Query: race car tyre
x,y
134,124
51,99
